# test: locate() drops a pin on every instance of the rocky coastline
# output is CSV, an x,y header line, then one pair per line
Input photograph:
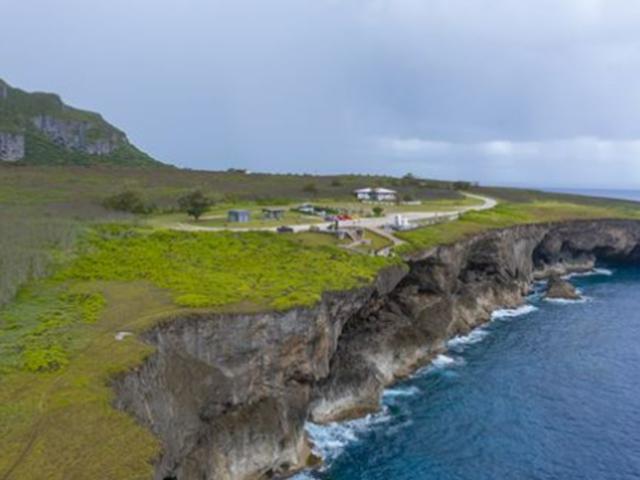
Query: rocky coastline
x,y
229,395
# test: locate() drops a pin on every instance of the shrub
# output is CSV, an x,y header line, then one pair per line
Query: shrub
x,y
127,201
378,211
310,188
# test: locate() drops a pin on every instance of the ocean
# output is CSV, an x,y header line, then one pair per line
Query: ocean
x,y
633,195
550,391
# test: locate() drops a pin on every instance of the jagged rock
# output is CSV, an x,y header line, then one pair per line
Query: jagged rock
x,y
11,146
558,288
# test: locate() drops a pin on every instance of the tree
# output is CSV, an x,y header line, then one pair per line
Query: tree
x,y
310,188
377,211
194,204
336,182
127,201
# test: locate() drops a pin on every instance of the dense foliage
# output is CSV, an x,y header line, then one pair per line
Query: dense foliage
x,y
205,269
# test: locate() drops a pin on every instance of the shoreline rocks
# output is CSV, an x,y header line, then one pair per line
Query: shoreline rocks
x,y
561,289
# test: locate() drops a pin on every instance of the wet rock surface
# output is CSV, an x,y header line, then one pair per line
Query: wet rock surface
x,y
561,289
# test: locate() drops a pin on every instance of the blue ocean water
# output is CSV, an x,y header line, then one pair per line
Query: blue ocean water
x,y
551,391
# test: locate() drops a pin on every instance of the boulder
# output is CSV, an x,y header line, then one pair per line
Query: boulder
x,y
559,288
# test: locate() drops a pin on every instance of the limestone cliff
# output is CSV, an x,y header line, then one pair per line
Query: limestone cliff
x,y
228,395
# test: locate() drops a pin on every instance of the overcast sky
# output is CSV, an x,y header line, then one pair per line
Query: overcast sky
x,y
526,92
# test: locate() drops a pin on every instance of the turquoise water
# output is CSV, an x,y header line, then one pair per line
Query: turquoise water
x,y
550,391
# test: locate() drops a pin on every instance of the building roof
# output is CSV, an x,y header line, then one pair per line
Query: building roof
x,y
384,190
375,190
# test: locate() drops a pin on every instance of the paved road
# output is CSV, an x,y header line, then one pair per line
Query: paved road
x,y
376,224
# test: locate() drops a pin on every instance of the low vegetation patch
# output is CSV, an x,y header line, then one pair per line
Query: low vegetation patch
x,y
58,346
510,214
202,269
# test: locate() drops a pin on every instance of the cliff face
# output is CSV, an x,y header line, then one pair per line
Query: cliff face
x,y
228,395
77,135
11,146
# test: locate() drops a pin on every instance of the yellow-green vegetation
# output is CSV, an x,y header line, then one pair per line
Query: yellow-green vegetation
x,y
510,214
205,269
58,349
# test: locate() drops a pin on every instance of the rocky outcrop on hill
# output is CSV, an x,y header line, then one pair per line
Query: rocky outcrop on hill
x,y
77,135
11,146
228,395
40,128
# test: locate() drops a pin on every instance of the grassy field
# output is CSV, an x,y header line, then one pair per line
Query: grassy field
x,y
510,214
57,339
162,186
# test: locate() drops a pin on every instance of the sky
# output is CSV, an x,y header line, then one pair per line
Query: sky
x,y
518,92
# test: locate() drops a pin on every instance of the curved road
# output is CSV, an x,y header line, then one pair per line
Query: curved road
x,y
376,224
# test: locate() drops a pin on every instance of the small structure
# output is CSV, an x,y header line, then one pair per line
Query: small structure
x,y
307,208
241,216
376,195
354,234
273,213
400,222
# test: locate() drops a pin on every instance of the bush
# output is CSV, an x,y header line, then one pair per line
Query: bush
x,y
378,211
127,201
310,188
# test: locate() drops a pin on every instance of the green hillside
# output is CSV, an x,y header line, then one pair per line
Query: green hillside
x,y
39,128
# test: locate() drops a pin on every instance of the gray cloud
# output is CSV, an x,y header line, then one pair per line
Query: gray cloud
x,y
494,90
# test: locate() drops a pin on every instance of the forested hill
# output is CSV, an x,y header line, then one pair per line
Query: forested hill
x,y
39,128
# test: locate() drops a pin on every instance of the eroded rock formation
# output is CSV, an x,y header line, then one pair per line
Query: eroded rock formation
x,y
11,146
228,395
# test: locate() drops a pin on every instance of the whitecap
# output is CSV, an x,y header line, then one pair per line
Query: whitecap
x,y
331,439
400,392
590,273
445,361
567,301
472,337
513,312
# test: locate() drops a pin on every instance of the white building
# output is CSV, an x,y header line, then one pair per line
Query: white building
x,y
376,194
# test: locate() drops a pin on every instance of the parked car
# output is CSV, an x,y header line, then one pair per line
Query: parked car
x,y
285,229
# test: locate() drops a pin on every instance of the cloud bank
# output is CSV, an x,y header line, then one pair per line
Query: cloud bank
x,y
529,92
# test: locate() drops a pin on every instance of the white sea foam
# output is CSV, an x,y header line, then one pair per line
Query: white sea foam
x,y
567,301
472,337
591,273
445,361
400,392
331,439
513,312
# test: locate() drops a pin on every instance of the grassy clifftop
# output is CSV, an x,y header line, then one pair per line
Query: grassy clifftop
x,y
54,133
83,275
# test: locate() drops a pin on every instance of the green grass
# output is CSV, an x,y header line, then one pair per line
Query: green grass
x,y
205,269
57,346
510,214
